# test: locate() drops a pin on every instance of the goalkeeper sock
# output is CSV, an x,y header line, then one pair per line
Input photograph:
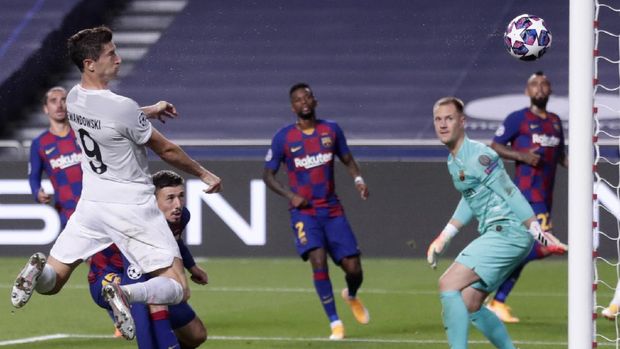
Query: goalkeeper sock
x,y
506,287
323,286
492,328
455,318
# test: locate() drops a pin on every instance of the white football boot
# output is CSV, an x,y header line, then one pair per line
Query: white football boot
x,y
114,295
27,280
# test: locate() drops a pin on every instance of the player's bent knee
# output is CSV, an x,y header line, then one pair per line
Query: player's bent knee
x,y
179,292
193,334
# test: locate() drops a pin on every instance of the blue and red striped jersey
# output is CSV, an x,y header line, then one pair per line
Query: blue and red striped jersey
x,y
60,158
524,130
309,161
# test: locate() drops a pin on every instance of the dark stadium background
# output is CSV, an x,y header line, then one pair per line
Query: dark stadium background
x,y
376,68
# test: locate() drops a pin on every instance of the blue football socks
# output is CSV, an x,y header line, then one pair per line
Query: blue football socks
x,y
323,286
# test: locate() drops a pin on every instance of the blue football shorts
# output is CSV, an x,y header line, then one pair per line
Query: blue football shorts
x,y
334,234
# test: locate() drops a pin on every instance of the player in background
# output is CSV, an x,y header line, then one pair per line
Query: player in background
x,y
308,148
534,138
503,214
117,204
156,326
56,152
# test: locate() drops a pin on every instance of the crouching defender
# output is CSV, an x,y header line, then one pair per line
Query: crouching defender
x,y
157,327
502,212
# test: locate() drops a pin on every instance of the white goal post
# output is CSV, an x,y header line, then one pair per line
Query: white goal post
x,y
580,175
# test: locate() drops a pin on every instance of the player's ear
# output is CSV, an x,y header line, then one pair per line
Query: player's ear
x,y
89,65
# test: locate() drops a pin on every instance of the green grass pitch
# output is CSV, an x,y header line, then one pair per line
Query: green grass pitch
x,y
270,303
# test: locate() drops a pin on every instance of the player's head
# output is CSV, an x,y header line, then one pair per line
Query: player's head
x,y
449,120
538,89
303,102
93,52
55,104
170,194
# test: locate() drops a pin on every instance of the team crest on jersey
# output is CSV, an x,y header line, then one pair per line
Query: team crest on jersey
x,y
134,272
142,119
556,126
500,131
326,141
484,160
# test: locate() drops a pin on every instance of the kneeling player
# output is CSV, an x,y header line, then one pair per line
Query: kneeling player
x,y
154,324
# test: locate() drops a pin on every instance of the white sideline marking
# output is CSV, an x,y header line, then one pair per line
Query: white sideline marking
x,y
276,339
52,337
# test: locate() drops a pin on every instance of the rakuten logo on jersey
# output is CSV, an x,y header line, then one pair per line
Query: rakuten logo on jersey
x,y
545,141
313,161
65,161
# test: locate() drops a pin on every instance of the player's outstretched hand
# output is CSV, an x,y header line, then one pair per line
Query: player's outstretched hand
x,y
440,244
547,239
198,275
435,250
161,111
363,189
214,183
554,245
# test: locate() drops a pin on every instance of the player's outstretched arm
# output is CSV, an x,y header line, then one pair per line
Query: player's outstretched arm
x,y
356,173
175,156
160,111
501,184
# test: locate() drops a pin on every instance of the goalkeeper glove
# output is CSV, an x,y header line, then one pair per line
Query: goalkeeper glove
x,y
440,244
546,239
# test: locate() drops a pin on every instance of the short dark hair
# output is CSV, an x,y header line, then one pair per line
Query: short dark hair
x,y
456,102
87,44
166,178
298,86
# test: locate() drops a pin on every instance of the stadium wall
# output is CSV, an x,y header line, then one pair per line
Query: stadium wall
x,y
409,203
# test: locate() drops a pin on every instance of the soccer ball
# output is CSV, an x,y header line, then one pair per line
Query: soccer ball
x,y
527,37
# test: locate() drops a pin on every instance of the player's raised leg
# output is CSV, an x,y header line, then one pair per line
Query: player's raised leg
x,y
354,276
40,274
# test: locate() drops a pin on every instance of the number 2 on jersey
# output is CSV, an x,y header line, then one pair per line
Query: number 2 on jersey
x,y
301,234
92,151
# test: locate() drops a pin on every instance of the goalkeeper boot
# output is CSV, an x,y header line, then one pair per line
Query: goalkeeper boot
x,y
359,310
502,311
611,312
27,280
337,331
114,295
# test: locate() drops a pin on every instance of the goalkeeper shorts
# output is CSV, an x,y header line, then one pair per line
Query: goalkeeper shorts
x,y
495,254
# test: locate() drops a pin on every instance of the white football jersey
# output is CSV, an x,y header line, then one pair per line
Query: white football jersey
x,y
111,130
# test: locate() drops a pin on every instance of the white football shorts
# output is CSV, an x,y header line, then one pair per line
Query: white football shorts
x,y
141,232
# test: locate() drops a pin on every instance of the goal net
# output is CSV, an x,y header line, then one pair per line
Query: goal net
x,y
606,189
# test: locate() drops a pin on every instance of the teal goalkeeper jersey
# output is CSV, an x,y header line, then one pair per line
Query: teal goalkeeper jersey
x,y
478,173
